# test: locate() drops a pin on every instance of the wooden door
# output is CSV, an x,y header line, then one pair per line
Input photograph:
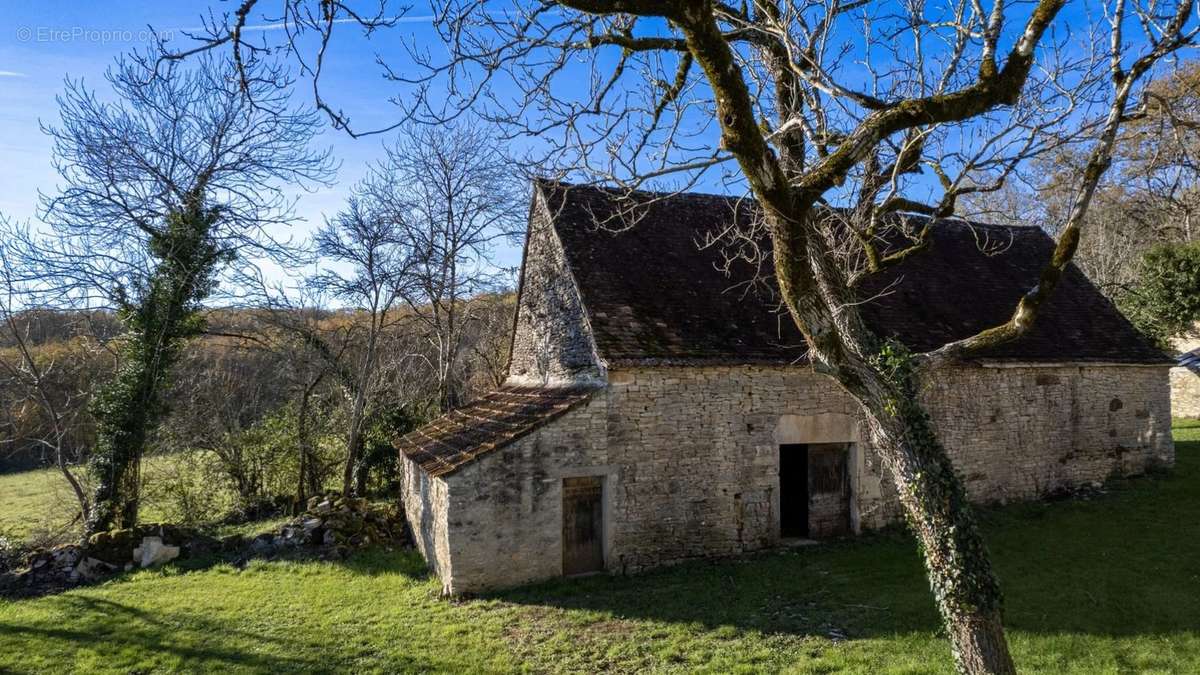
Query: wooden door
x,y
583,525
828,490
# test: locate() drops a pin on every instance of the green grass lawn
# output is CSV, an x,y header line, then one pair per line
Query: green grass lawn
x,y
1104,585
39,502
32,500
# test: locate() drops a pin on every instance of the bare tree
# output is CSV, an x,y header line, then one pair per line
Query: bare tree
x,y
890,111
1150,196
228,382
319,352
380,261
490,340
1158,154
28,377
165,190
306,27
451,193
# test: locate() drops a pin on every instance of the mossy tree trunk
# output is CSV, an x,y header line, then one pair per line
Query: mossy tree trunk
x,y
883,378
822,303
935,504
157,323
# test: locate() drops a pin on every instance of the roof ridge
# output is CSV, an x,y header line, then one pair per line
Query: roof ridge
x,y
752,201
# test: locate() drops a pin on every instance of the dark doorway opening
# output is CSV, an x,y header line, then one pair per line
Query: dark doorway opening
x,y
583,525
814,490
793,491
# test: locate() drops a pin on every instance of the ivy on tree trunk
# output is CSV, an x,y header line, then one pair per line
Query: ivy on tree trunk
x,y
166,315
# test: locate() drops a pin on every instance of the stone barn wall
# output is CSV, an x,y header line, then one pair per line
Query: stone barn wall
x,y
1024,432
689,458
425,500
1185,393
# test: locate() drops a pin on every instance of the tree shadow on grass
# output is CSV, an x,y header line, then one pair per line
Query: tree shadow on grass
x,y
167,635
110,628
795,592
117,632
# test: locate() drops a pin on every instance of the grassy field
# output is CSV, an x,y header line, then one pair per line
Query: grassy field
x,y
36,503
27,498
1107,585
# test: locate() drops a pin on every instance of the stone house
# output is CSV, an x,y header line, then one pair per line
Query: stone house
x,y
657,410
1185,385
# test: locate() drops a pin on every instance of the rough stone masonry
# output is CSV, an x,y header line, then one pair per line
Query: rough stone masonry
x,y
681,399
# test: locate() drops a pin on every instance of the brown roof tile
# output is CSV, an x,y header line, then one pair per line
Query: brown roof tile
x,y
493,421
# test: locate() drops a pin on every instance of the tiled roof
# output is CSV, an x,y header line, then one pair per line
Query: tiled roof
x,y
1190,360
653,297
458,437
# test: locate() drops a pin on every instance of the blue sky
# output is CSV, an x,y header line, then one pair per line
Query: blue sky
x,y
42,43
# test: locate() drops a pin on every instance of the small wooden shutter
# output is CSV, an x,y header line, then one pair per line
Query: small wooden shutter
x,y
583,525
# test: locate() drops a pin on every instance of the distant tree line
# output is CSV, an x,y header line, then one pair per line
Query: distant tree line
x,y
172,200
249,395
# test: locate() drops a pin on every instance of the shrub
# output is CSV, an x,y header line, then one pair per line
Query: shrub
x,y
12,552
188,488
1165,302
379,469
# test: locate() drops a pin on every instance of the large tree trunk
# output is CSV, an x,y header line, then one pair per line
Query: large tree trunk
x,y
129,406
935,502
885,384
883,378
125,411
824,307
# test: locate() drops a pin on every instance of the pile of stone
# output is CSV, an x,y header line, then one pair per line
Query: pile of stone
x,y
332,527
335,525
105,554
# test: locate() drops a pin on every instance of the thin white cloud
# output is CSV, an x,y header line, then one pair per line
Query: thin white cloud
x,y
283,24
407,18
11,73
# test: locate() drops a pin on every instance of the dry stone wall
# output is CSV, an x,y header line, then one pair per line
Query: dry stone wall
x,y
689,459
1185,393
1022,432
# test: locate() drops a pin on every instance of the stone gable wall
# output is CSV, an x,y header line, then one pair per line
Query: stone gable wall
x,y
551,341
689,458
1185,393
425,501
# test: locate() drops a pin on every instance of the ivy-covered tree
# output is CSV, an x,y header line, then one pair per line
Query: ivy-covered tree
x,y
174,183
